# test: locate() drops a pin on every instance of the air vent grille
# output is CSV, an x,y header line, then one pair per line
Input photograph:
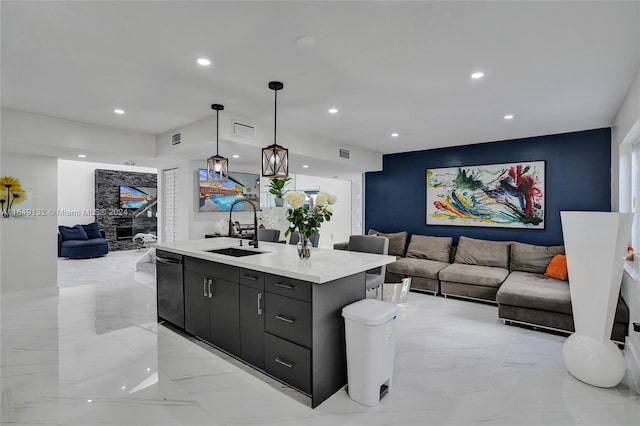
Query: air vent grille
x,y
345,153
176,139
244,130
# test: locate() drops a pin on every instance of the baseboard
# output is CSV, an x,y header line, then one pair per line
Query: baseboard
x,y
632,359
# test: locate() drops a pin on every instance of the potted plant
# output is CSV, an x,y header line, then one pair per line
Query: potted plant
x,y
276,187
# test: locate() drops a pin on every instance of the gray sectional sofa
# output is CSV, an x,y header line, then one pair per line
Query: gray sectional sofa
x,y
508,273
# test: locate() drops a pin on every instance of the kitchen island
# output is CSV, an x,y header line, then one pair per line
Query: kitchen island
x,y
266,307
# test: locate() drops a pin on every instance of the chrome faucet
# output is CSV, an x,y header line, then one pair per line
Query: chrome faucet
x,y
253,242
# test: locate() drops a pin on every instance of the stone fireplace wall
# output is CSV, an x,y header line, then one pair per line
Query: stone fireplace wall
x,y
119,224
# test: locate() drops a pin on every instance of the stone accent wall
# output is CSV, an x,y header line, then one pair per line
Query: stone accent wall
x,y
119,224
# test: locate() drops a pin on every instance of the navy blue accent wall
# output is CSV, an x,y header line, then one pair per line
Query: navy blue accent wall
x,y
578,177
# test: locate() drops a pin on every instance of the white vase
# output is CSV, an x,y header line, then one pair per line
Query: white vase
x,y
595,245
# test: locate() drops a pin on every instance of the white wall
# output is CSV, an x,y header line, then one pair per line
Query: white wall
x,y
76,189
29,245
38,134
309,146
194,224
625,130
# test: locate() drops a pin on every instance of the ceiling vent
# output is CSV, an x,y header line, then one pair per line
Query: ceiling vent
x,y
243,130
176,139
345,153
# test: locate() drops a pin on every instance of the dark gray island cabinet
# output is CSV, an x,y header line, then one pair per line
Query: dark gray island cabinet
x,y
290,329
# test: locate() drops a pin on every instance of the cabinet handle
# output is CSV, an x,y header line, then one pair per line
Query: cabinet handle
x,y
259,303
285,363
251,277
168,261
210,284
204,287
285,319
287,286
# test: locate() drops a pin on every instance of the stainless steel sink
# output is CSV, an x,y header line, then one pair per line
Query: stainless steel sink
x,y
235,252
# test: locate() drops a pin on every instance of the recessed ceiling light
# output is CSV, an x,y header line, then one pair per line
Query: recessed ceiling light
x,y
305,166
118,111
508,117
82,156
203,62
476,75
394,135
306,41
235,156
333,110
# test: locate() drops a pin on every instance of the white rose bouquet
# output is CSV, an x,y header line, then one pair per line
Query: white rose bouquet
x,y
307,221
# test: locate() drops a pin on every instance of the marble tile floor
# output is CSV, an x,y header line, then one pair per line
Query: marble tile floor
x,y
94,355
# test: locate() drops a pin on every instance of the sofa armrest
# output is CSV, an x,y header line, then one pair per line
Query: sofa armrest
x,y
59,244
341,246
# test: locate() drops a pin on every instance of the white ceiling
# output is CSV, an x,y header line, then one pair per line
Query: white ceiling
x,y
388,66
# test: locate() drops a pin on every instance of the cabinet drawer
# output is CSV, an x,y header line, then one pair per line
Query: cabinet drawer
x,y
251,278
212,269
288,287
288,362
288,318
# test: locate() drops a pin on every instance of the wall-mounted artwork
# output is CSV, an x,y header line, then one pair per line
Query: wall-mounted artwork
x,y
12,194
497,195
137,197
218,195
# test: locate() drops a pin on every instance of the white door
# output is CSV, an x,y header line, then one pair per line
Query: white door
x,y
169,214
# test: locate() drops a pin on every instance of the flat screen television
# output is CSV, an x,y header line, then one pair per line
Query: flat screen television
x,y
218,195
137,197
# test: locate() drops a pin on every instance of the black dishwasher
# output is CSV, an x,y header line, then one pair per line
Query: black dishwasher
x,y
170,287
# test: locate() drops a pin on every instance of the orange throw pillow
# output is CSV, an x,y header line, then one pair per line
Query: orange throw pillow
x,y
557,268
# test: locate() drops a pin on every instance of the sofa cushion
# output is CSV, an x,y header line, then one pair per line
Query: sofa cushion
x,y
474,274
72,233
92,230
531,258
535,291
432,248
397,241
417,267
482,252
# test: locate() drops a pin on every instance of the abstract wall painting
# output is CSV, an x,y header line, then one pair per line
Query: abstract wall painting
x,y
496,195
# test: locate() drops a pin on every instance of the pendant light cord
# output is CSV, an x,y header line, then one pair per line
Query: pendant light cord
x,y
275,118
217,125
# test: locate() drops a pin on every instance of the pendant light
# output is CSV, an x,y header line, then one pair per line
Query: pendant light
x,y
275,158
217,166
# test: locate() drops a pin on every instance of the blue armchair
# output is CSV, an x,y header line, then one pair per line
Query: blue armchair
x,y
82,241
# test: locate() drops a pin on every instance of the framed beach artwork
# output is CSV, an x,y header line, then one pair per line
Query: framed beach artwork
x,y
508,195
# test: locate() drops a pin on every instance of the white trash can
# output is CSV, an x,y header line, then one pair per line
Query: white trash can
x,y
370,346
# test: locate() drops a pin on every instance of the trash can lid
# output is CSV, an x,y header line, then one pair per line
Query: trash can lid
x,y
370,311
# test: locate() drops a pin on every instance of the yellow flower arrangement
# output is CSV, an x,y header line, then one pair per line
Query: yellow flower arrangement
x,y
11,193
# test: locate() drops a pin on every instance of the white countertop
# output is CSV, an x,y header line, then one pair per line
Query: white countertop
x,y
282,259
